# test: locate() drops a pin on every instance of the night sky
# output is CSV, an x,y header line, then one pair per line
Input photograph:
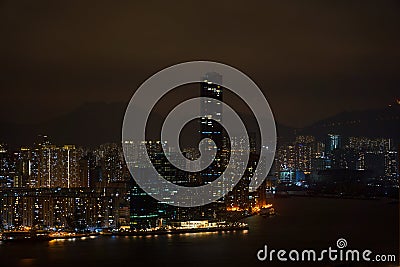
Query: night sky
x,y
312,59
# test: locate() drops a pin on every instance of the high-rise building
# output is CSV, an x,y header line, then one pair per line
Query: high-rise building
x,y
345,158
58,166
27,168
286,158
334,142
61,207
391,164
144,210
304,147
210,127
111,163
375,154
5,167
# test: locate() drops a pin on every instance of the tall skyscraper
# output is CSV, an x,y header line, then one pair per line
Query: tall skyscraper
x,y
210,126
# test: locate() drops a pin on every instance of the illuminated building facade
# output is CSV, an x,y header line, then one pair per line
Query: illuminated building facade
x,y
71,208
210,126
58,166
334,142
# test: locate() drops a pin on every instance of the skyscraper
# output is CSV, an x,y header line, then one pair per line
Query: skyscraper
x,y
144,210
58,166
27,168
210,126
334,142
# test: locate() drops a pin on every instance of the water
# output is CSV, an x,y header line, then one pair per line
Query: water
x,y
301,223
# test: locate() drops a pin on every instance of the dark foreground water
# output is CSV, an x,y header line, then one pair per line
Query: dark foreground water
x,y
302,223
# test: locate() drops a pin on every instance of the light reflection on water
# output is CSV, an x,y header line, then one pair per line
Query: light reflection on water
x,y
309,223
27,262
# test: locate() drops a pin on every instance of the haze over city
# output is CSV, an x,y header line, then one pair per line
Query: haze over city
x,y
312,60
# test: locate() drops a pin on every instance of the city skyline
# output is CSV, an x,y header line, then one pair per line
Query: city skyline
x,y
357,166
199,133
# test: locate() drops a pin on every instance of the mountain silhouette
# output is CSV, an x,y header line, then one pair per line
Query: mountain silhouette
x,y
383,122
96,123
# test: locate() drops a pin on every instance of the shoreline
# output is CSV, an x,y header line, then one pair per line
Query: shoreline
x,y
141,233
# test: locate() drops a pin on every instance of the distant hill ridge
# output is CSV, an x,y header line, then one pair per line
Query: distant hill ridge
x,y
96,123
383,122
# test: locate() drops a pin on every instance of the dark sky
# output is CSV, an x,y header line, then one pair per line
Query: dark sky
x,y
312,59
